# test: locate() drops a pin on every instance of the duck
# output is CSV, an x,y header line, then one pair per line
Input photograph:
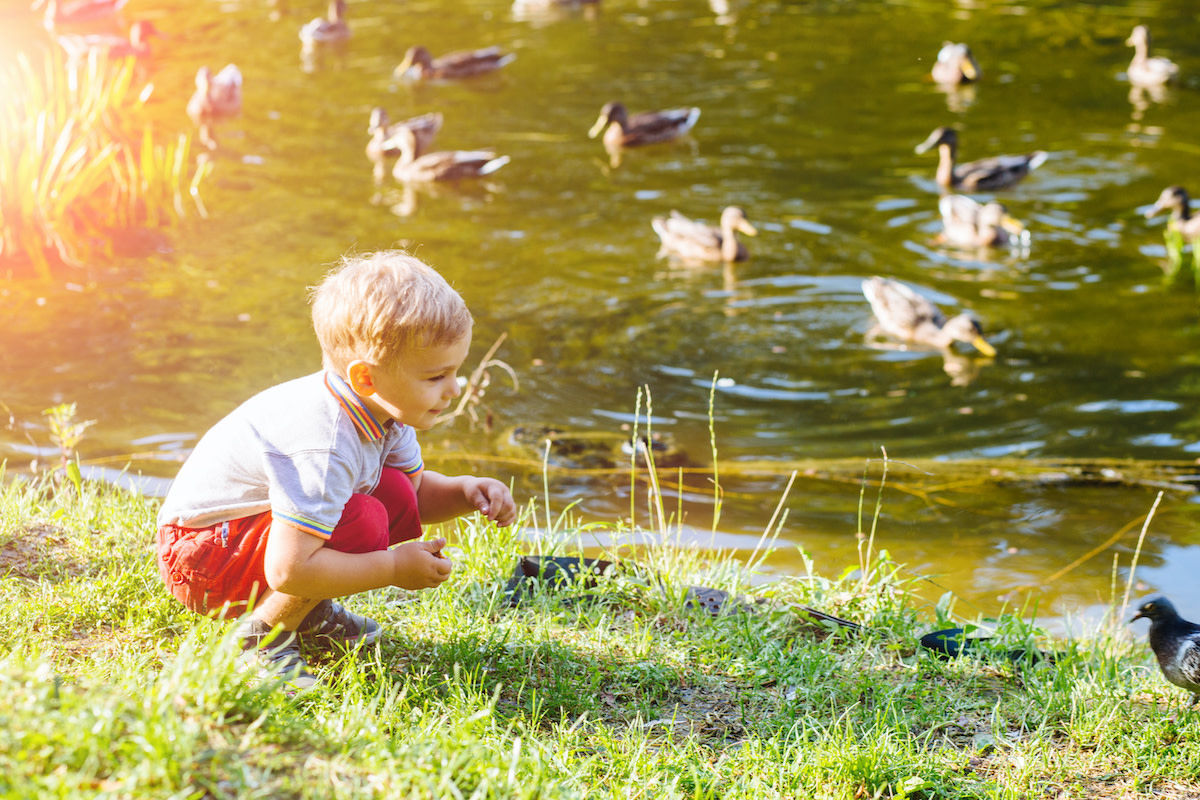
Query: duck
x,y
1175,642
985,174
79,11
217,95
441,165
695,241
1175,199
955,64
419,63
330,28
383,132
136,45
969,223
648,127
909,317
1147,70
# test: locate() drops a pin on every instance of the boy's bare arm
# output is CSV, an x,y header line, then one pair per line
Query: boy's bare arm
x,y
442,497
297,563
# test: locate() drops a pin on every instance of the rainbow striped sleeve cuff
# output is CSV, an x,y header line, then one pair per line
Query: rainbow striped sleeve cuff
x,y
306,525
415,469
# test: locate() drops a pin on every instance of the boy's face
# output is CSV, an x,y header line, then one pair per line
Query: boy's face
x,y
415,390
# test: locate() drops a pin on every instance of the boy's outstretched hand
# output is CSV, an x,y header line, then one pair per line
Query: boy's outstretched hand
x,y
420,564
492,499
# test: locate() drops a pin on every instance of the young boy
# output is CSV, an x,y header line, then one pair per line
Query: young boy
x,y
299,494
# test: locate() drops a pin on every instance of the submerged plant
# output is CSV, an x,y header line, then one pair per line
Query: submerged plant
x,y
77,162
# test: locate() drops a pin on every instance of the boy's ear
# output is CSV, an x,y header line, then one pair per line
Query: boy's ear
x,y
360,378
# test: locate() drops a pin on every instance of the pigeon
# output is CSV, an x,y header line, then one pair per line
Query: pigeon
x,y
1175,642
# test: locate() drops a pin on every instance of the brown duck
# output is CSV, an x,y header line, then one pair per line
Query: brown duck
x,y
419,63
982,175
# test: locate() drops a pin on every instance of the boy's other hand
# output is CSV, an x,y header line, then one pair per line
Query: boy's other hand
x,y
420,564
492,499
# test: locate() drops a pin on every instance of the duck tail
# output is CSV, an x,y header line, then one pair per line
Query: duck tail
x,y
1038,158
493,165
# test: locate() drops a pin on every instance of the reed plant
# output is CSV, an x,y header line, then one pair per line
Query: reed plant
x,y
618,688
78,161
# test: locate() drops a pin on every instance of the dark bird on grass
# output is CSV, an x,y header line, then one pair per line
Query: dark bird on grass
x,y
1147,70
419,63
442,165
985,174
383,133
1175,642
955,64
330,28
1175,199
648,127
909,317
695,241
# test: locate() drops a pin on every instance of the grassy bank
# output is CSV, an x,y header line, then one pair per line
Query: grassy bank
x,y
621,690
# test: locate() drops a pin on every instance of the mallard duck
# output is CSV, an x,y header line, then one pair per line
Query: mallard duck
x,y
216,96
955,64
136,45
57,13
441,165
696,241
986,173
419,63
1175,199
330,28
648,127
906,315
1147,70
383,132
968,223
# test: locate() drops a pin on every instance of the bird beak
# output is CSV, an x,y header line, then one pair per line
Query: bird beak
x,y
1012,225
1137,616
982,346
969,70
748,229
599,126
1155,210
404,67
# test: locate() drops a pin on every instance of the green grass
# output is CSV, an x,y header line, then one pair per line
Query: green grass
x,y
109,688
78,162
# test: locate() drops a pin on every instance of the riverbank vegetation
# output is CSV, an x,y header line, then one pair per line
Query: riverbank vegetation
x,y
620,687
79,165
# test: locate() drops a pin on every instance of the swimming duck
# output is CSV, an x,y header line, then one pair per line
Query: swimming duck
x,y
955,64
1175,199
1147,70
441,165
906,315
383,132
216,96
330,28
648,127
79,11
968,223
419,63
986,173
695,241
136,45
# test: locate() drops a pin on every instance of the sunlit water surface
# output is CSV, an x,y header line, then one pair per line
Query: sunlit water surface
x,y
810,112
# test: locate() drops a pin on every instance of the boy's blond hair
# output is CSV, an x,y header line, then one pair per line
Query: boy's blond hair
x,y
377,307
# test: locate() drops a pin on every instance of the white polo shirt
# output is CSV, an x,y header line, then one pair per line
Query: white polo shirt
x,y
299,450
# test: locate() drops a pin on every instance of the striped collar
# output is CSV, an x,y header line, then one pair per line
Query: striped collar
x,y
364,421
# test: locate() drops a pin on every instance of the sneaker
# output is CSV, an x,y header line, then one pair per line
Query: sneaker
x,y
329,624
274,654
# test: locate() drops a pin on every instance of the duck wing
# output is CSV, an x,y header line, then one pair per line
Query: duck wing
x,y
998,171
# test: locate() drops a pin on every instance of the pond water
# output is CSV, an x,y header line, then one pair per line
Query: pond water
x,y
810,113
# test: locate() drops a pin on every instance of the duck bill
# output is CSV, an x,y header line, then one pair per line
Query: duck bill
x,y
1156,210
747,228
970,69
599,126
1012,225
926,145
405,67
982,346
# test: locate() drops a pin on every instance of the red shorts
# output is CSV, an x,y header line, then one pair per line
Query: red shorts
x,y
218,571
